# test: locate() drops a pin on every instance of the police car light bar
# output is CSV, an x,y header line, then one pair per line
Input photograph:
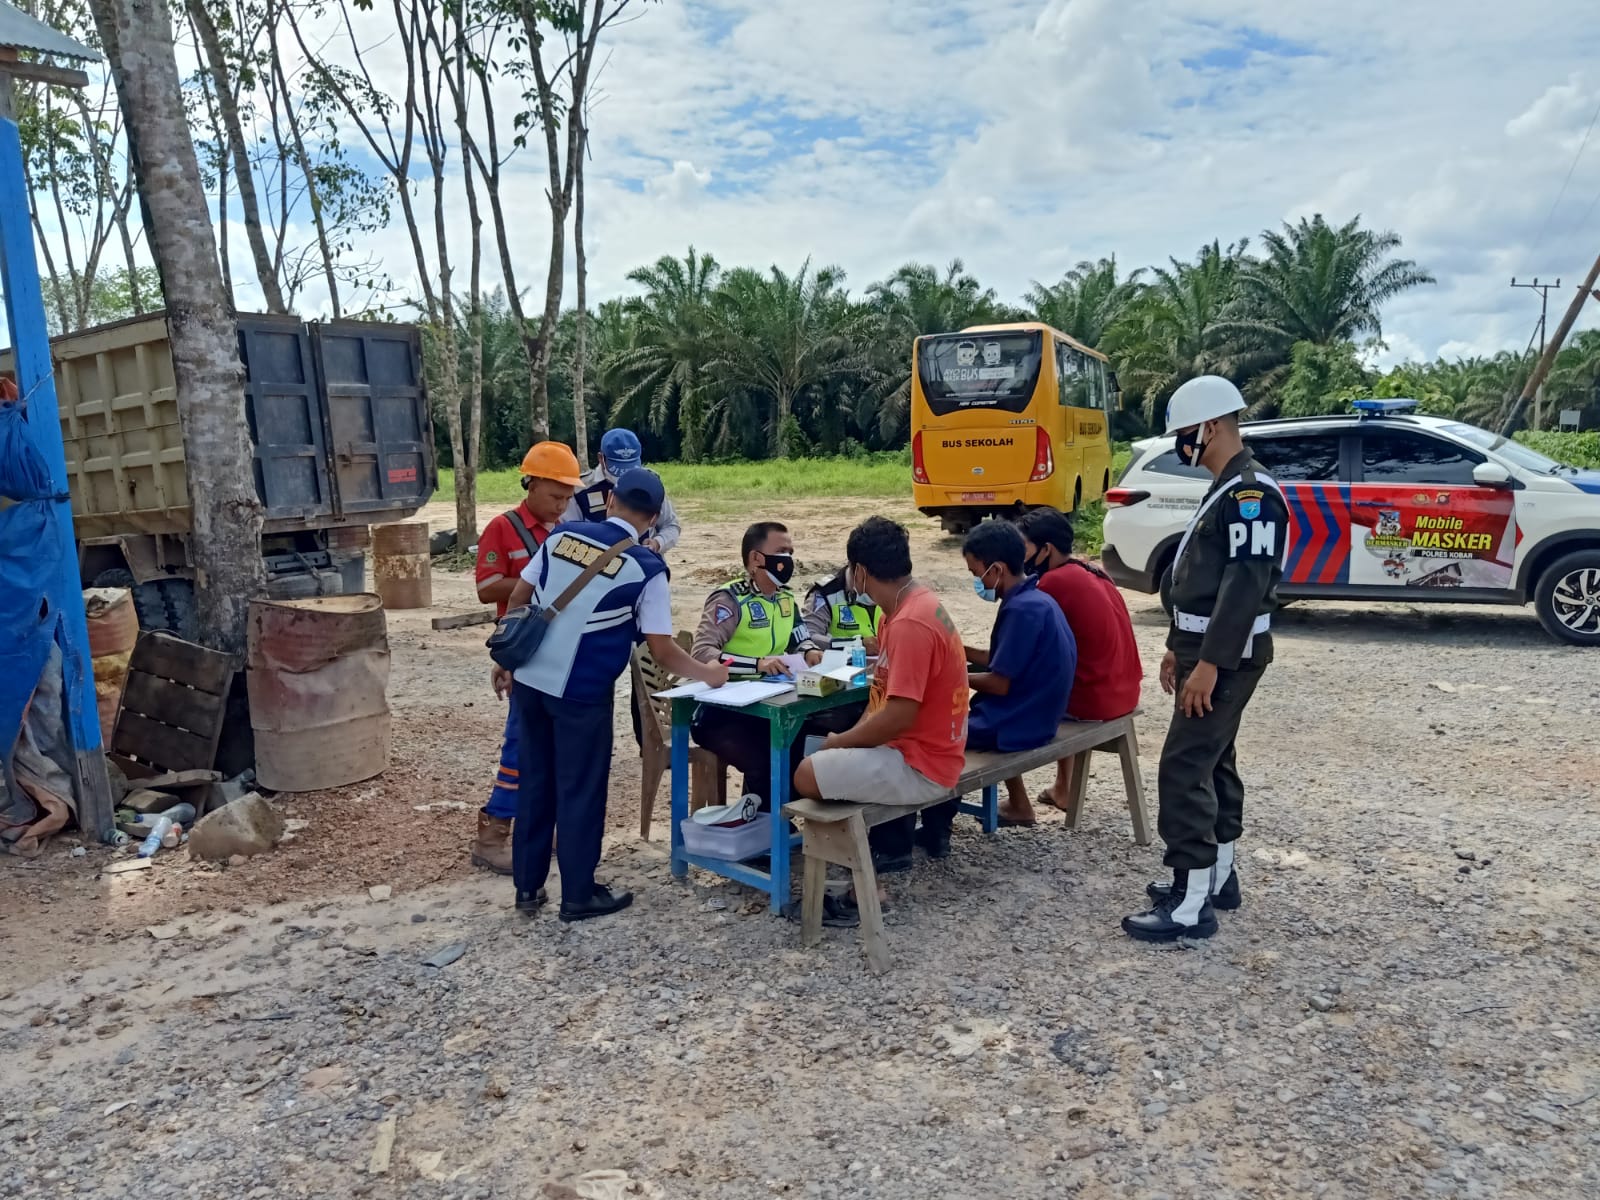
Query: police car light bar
x,y
1379,408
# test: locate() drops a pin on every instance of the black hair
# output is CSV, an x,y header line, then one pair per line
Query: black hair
x,y
881,548
756,536
996,542
1047,527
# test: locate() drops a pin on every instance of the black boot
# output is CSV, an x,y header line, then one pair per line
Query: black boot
x,y
1224,883
1225,899
1184,912
602,902
531,902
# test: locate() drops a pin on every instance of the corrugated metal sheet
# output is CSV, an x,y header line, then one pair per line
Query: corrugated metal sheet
x,y
18,29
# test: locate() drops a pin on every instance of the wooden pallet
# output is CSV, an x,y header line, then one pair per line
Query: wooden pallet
x,y
173,705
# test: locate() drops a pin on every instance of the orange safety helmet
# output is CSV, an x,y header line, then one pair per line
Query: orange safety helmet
x,y
553,460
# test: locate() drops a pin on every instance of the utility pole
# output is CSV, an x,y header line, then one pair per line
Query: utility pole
x,y
1544,290
1536,380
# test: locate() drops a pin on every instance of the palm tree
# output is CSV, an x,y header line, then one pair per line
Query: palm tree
x,y
1316,283
778,335
913,302
1087,301
660,369
1170,332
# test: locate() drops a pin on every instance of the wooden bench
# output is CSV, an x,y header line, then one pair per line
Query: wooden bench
x,y
836,832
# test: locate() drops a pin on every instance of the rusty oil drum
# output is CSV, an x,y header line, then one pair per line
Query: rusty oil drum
x,y
317,671
402,569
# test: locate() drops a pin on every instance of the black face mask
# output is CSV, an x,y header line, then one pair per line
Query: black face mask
x,y
1190,446
1039,565
780,567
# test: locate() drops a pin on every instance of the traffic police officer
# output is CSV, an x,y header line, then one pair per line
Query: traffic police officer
x,y
1224,591
836,616
620,451
563,694
750,624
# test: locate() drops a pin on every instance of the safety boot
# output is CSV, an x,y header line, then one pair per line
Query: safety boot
x,y
1184,912
492,847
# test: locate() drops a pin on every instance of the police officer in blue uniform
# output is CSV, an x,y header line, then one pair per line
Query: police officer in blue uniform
x,y
564,692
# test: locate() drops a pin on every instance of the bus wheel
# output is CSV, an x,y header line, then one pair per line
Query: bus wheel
x,y
956,526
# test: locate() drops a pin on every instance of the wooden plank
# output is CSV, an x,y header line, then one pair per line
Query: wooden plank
x,y
173,658
464,620
162,745
172,703
811,897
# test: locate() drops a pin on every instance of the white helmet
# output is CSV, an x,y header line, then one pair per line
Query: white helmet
x,y
1200,400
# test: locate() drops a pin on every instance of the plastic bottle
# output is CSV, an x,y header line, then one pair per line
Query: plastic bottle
x,y
153,843
858,654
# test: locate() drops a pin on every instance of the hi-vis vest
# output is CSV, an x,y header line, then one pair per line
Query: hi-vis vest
x,y
846,622
590,641
766,623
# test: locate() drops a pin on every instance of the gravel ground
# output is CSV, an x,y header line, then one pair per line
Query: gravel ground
x,y
1405,1006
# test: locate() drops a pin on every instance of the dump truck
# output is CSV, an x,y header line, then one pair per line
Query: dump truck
x,y
340,439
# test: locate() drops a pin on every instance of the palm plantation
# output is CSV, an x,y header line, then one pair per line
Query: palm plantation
x,y
711,362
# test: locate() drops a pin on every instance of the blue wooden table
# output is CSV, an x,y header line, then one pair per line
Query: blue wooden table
x,y
785,716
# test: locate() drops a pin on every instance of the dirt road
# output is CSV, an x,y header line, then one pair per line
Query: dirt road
x,y
1406,1005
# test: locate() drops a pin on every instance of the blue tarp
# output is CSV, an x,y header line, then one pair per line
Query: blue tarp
x,y
29,560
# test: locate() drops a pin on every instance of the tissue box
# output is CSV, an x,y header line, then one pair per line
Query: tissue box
x,y
826,683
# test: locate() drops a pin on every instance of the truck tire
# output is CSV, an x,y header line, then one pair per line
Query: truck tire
x,y
160,603
1567,598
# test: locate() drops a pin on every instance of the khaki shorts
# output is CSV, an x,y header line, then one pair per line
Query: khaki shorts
x,y
873,775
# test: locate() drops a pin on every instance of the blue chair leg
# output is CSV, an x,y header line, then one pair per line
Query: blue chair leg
x,y
991,809
680,795
779,891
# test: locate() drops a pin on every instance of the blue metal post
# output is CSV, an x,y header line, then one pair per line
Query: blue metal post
x,y
779,889
19,279
680,784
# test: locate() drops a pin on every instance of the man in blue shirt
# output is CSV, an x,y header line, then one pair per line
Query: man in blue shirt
x,y
1024,680
564,692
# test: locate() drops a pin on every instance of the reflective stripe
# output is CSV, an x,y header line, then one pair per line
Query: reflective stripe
x,y
1190,623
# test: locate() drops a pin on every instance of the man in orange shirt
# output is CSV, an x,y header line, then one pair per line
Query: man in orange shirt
x,y
910,746
550,474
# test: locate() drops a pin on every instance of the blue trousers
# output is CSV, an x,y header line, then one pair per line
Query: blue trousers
x,y
566,773
503,796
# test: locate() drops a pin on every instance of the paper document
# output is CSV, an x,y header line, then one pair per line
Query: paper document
x,y
744,693
832,660
683,690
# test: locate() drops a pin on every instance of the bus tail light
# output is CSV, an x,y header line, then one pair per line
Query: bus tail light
x,y
1044,461
919,470
1123,497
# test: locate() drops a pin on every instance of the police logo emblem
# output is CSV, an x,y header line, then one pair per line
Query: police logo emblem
x,y
758,615
1250,509
722,613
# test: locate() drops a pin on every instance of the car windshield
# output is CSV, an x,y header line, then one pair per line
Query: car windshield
x,y
1514,452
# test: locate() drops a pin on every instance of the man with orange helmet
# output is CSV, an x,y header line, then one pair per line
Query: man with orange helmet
x,y
550,475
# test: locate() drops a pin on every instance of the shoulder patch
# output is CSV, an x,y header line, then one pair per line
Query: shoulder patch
x,y
721,613
1250,509
490,556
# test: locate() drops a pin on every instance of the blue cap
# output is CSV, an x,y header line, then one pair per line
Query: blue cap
x,y
640,490
621,450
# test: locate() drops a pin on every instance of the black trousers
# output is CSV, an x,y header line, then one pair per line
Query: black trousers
x,y
1202,796
566,769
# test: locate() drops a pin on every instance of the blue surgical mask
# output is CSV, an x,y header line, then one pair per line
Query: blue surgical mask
x,y
983,590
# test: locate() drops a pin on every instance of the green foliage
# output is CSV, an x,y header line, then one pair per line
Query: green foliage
x,y
1574,449
1322,379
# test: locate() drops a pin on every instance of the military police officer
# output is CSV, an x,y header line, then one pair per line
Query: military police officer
x,y
1224,591
836,616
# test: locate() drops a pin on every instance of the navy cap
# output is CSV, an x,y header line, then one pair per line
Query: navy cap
x,y
641,491
621,450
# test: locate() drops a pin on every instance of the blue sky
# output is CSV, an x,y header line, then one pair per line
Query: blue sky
x,y
1025,135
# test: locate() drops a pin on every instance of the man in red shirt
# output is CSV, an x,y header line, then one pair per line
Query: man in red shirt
x,y
1109,674
550,474
910,745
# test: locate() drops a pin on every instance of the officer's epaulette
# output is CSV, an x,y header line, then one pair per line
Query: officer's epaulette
x,y
740,587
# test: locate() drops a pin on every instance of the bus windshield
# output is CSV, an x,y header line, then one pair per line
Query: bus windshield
x,y
959,371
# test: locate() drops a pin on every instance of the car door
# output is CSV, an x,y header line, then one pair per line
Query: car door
x,y
1310,468
1419,520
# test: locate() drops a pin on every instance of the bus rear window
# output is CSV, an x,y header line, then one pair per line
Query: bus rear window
x,y
958,371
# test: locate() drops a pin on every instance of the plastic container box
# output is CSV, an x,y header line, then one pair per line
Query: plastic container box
x,y
735,843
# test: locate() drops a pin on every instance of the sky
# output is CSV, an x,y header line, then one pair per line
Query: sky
x,y
1023,136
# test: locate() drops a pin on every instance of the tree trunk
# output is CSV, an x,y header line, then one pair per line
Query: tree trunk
x,y
780,421
580,407
226,540
228,107
297,137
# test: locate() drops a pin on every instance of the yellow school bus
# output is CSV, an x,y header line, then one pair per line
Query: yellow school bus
x,y
1005,418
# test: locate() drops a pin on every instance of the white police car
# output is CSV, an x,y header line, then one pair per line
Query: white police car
x,y
1388,504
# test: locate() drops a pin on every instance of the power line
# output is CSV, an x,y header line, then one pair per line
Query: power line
x,y
1545,228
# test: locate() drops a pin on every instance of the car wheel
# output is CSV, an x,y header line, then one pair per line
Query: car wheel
x,y
1568,598
1165,589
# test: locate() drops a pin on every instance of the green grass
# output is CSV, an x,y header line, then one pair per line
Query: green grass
x,y
728,489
